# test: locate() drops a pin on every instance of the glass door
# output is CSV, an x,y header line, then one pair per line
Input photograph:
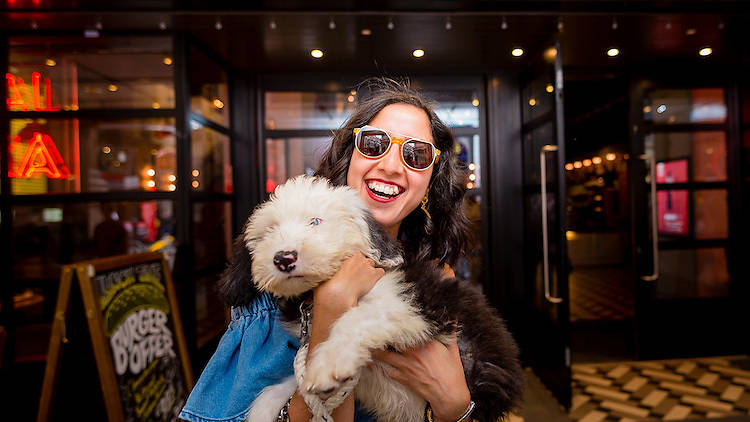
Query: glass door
x,y
546,343
683,184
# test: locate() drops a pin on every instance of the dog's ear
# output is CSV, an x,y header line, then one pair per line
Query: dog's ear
x,y
236,285
385,251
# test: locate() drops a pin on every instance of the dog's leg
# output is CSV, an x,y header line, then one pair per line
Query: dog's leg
x,y
268,404
381,318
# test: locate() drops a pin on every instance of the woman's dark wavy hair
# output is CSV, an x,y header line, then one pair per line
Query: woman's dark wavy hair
x,y
449,225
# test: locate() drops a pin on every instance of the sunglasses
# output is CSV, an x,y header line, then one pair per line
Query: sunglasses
x,y
374,143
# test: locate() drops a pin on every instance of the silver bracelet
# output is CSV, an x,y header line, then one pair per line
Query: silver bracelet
x,y
284,412
428,415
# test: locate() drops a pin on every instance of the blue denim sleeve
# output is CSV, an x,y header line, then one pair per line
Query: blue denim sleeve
x,y
255,352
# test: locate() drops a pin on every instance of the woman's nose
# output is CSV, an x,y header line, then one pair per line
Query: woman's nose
x,y
391,162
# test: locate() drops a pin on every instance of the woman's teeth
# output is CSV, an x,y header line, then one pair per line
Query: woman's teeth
x,y
383,189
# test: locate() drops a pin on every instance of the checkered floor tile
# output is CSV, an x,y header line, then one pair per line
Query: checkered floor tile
x,y
661,390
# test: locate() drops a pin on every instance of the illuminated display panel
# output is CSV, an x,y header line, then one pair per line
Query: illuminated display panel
x,y
91,155
76,73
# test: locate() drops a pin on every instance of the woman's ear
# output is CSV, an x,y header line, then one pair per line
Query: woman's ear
x,y
236,284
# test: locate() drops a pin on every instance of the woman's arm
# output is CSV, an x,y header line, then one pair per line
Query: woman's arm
x,y
433,371
331,300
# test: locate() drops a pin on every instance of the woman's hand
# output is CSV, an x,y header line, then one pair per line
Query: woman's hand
x,y
354,279
433,371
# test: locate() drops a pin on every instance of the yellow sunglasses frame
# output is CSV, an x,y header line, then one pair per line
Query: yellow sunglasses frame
x,y
400,142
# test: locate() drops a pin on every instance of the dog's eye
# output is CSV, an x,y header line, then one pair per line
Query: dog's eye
x,y
315,221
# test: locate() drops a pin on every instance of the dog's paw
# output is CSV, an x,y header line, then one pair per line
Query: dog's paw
x,y
329,373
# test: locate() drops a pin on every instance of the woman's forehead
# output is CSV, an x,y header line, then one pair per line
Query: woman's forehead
x,y
404,120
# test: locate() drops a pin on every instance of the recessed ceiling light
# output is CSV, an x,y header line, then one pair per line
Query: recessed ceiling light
x,y
365,31
418,53
517,52
50,62
705,51
316,53
612,52
167,61
112,88
549,88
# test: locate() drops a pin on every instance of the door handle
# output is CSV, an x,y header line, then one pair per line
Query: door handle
x,y
545,243
654,218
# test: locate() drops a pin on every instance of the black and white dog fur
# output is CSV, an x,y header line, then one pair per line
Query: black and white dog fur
x,y
297,240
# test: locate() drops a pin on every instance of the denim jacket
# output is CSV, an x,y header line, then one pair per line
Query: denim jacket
x,y
255,352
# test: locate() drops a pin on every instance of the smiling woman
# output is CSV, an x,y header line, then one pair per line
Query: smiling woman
x,y
428,200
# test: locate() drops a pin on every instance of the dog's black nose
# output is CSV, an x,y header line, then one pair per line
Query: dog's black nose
x,y
284,260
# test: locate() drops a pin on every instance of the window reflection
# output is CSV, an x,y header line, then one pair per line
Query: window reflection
x,y
212,165
689,273
47,236
705,152
291,157
711,214
672,106
308,110
212,233
209,93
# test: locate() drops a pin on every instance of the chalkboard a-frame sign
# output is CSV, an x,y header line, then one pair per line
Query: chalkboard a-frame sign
x,y
136,335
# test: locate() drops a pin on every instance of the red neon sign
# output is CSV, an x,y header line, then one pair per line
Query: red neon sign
x,y
16,87
41,158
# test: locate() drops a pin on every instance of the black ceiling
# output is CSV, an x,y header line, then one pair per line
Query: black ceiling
x,y
271,36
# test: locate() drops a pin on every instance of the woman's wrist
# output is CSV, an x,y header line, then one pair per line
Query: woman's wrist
x,y
461,416
451,409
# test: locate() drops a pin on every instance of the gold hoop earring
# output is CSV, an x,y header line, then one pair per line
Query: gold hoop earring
x,y
428,221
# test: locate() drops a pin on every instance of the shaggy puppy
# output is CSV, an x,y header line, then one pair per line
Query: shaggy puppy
x,y
297,240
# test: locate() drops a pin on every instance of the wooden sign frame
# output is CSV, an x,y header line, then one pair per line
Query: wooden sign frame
x,y
86,272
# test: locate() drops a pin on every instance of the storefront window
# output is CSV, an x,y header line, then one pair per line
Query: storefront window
x,y
291,157
308,110
210,312
702,155
674,106
456,108
689,273
538,98
77,73
212,233
91,155
47,236
209,93
212,165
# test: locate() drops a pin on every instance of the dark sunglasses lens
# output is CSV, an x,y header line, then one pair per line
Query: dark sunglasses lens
x,y
373,143
417,154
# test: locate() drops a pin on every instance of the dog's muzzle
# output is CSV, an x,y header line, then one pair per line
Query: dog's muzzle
x,y
284,260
